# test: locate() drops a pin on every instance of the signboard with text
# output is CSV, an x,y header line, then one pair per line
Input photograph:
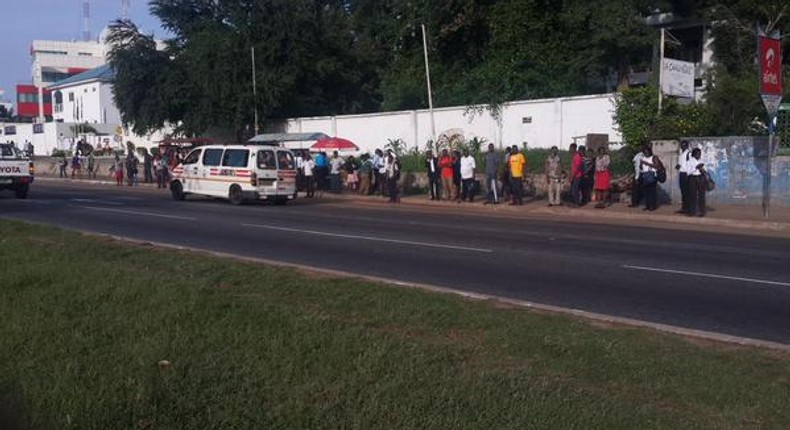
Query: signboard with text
x,y
770,51
677,78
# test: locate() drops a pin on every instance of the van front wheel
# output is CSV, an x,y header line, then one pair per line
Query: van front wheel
x,y
235,195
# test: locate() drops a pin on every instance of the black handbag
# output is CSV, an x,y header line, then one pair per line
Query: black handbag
x,y
709,183
662,175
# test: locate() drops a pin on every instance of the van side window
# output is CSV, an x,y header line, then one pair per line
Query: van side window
x,y
266,159
193,157
285,160
212,157
235,158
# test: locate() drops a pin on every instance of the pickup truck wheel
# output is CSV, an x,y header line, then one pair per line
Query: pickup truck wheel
x,y
20,191
177,190
235,195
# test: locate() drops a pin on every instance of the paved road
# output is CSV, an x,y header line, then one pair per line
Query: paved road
x,y
731,284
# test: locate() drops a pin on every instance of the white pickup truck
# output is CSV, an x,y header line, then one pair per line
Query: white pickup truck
x,y
16,170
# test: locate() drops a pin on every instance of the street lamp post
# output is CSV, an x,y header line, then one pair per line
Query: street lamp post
x,y
428,81
254,91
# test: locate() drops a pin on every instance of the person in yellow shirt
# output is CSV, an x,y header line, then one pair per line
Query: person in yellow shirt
x,y
518,165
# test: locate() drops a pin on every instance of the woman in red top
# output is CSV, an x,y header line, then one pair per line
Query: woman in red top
x,y
446,165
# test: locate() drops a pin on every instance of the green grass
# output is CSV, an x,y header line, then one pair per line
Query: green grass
x,y
85,321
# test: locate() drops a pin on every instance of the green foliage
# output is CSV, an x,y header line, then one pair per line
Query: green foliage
x,y
321,57
635,110
397,146
638,119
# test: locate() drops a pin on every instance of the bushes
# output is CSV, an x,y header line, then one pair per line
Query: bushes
x,y
638,119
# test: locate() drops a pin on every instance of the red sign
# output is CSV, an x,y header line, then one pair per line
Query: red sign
x,y
770,66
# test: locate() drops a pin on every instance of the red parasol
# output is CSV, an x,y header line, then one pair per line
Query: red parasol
x,y
334,144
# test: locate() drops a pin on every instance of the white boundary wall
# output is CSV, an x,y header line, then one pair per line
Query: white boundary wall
x,y
58,135
553,122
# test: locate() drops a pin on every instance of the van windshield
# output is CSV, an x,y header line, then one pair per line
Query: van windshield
x,y
285,160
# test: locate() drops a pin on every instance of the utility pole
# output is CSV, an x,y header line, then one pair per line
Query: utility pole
x,y
661,70
254,91
428,81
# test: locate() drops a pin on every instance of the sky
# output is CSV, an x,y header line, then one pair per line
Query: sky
x,y
22,21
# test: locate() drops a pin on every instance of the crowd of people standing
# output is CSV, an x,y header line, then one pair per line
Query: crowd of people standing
x,y
452,175
367,175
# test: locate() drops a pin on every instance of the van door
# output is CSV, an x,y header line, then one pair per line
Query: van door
x,y
267,172
210,180
286,180
191,170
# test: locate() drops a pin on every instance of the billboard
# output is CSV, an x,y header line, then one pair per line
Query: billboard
x,y
770,66
770,51
677,78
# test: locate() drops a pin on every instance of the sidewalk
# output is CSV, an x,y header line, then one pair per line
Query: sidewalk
x,y
732,218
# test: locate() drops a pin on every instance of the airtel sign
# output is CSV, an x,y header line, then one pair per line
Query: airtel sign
x,y
770,66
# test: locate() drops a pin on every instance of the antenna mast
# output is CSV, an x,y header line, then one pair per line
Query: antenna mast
x,y
125,6
86,16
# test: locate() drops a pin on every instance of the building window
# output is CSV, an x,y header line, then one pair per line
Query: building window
x,y
52,52
53,76
27,98
85,54
71,97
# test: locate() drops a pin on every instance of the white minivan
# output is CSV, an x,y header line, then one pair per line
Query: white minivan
x,y
237,172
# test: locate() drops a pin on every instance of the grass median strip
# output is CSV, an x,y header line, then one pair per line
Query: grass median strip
x,y
97,334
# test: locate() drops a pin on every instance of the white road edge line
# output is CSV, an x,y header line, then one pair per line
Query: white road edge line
x,y
370,238
153,214
708,275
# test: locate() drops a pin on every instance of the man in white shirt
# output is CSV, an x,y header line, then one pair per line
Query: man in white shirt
x,y
336,165
636,189
683,176
467,176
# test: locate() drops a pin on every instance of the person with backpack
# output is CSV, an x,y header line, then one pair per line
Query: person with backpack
x,y
365,172
649,168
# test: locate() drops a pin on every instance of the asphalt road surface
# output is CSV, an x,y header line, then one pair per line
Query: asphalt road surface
x,y
724,283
